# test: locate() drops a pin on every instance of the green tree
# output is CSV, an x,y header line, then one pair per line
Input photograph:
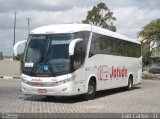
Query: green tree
x,y
101,16
151,31
146,58
19,57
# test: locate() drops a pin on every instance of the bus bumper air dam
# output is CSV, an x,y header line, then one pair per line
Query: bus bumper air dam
x,y
64,89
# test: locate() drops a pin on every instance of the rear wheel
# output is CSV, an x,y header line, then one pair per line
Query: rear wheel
x,y
91,90
130,83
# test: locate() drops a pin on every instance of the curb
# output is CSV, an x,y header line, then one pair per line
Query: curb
x,y
151,76
9,77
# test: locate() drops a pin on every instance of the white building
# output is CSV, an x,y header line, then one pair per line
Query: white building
x,y
155,48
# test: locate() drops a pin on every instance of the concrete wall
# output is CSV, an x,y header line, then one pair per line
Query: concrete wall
x,y
9,68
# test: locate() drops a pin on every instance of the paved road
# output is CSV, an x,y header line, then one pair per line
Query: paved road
x,y
143,98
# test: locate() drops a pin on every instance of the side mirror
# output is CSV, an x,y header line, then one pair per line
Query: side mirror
x,y
72,45
16,46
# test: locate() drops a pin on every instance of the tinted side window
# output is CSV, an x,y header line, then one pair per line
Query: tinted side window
x,y
95,47
102,44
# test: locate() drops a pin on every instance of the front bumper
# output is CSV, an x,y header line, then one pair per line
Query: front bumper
x,y
60,90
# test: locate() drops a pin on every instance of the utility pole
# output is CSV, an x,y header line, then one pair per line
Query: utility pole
x,y
14,29
28,22
14,32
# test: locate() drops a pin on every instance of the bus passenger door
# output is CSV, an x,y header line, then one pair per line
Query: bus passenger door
x,y
78,61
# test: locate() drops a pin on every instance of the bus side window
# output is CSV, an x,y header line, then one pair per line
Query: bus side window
x,y
78,55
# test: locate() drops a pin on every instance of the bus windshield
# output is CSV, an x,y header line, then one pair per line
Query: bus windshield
x,y
47,55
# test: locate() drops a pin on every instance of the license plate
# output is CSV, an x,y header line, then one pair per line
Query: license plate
x,y
42,90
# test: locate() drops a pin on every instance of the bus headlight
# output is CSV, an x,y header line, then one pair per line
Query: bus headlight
x,y
25,81
70,79
65,80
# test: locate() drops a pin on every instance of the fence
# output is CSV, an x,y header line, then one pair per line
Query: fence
x,y
9,68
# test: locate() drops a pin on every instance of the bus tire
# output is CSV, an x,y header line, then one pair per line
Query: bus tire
x,y
130,83
91,90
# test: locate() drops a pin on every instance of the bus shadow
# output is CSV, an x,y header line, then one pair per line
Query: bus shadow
x,y
109,92
76,99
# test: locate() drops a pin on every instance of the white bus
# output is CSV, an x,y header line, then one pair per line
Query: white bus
x,y
73,59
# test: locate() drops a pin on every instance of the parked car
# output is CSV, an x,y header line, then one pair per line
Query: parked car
x,y
154,70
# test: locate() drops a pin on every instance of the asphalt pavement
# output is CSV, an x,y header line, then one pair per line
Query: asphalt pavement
x,y
144,98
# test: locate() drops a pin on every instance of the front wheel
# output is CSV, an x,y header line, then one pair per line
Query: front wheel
x,y
91,91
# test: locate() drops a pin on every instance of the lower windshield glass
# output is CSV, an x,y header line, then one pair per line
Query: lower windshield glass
x,y
47,55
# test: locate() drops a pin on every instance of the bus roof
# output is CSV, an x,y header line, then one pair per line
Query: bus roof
x,y
71,28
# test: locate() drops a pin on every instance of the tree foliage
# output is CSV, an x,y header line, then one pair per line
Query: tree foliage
x,y
151,34
101,16
146,58
151,31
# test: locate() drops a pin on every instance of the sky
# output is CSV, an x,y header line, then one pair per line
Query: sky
x,y
131,16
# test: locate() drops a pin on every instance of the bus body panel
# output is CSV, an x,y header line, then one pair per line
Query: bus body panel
x,y
104,64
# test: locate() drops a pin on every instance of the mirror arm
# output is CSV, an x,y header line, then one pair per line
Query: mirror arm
x,y
72,45
81,56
